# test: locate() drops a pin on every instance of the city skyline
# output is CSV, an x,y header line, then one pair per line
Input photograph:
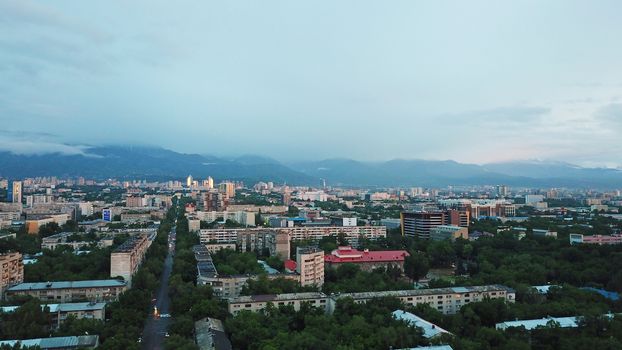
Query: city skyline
x,y
476,83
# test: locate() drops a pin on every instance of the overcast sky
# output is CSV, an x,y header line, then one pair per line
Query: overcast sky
x,y
473,81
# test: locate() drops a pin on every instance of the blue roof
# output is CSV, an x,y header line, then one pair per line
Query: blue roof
x,y
67,307
430,330
56,342
562,322
605,293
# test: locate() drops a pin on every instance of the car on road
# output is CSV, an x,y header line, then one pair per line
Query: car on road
x,y
165,315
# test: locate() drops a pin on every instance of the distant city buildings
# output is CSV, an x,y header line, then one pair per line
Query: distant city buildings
x,y
14,192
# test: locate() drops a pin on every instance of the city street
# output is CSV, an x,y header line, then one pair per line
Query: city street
x,y
156,328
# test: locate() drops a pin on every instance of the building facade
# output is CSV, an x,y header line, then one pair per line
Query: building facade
x,y
310,266
125,260
69,291
12,270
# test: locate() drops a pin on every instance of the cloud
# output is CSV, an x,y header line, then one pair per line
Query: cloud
x,y
23,11
501,115
37,143
610,114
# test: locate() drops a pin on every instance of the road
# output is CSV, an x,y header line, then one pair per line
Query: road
x,y
156,328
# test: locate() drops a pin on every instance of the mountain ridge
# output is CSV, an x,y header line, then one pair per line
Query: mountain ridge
x,y
159,163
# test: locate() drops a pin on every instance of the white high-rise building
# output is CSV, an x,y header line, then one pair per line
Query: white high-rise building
x,y
189,181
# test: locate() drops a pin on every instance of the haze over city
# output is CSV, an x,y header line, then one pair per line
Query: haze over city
x,y
477,81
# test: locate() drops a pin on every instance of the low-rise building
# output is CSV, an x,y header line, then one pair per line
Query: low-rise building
x,y
60,312
576,238
11,270
260,302
55,343
451,232
446,300
367,260
430,330
63,239
69,291
33,225
560,322
242,235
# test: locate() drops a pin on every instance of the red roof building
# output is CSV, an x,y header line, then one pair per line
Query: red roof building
x,y
290,265
367,260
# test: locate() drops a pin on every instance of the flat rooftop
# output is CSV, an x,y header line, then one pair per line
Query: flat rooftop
x,y
66,285
130,244
81,341
68,307
431,291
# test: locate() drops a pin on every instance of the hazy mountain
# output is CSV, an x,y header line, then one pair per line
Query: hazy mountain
x,y
401,172
145,162
159,163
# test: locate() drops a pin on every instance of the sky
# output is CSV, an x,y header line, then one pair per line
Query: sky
x,y
473,81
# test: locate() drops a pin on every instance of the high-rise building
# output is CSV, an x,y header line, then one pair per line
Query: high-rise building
x,y
420,223
125,260
310,266
214,201
189,181
208,183
14,192
228,188
502,191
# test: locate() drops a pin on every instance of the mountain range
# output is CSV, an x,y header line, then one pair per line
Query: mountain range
x,y
160,164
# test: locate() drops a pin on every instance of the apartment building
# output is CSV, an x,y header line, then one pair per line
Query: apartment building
x,y
421,223
60,312
63,239
125,260
446,300
69,291
215,247
246,218
352,233
12,270
259,302
33,225
310,266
